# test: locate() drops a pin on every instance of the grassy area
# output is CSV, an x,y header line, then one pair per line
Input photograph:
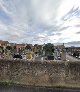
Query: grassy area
x,y
7,83
11,83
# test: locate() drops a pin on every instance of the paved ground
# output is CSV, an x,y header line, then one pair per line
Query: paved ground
x,y
71,58
35,89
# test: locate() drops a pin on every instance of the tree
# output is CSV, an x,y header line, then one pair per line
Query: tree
x,y
49,49
28,47
9,48
1,49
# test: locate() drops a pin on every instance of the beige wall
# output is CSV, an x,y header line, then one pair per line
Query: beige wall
x,y
41,74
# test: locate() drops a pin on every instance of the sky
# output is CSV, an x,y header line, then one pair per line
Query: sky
x,y
40,21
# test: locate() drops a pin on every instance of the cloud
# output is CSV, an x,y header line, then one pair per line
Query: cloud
x,y
78,32
77,25
39,21
73,43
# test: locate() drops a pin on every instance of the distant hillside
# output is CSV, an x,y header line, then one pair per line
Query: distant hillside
x,y
73,43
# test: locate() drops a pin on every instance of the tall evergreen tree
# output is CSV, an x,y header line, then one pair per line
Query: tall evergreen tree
x,y
49,49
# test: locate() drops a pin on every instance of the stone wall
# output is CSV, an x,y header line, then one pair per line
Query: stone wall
x,y
41,73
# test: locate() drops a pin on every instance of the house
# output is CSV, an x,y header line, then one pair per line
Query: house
x,y
19,47
3,43
73,49
59,47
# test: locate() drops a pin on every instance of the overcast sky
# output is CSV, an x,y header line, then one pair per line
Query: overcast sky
x,y
40,21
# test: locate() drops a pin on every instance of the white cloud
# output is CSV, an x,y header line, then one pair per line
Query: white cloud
x,y
66,6
39,21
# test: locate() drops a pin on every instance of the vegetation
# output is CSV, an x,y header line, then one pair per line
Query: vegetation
x,y
9,48
28,48
49,49
1,49
6,83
